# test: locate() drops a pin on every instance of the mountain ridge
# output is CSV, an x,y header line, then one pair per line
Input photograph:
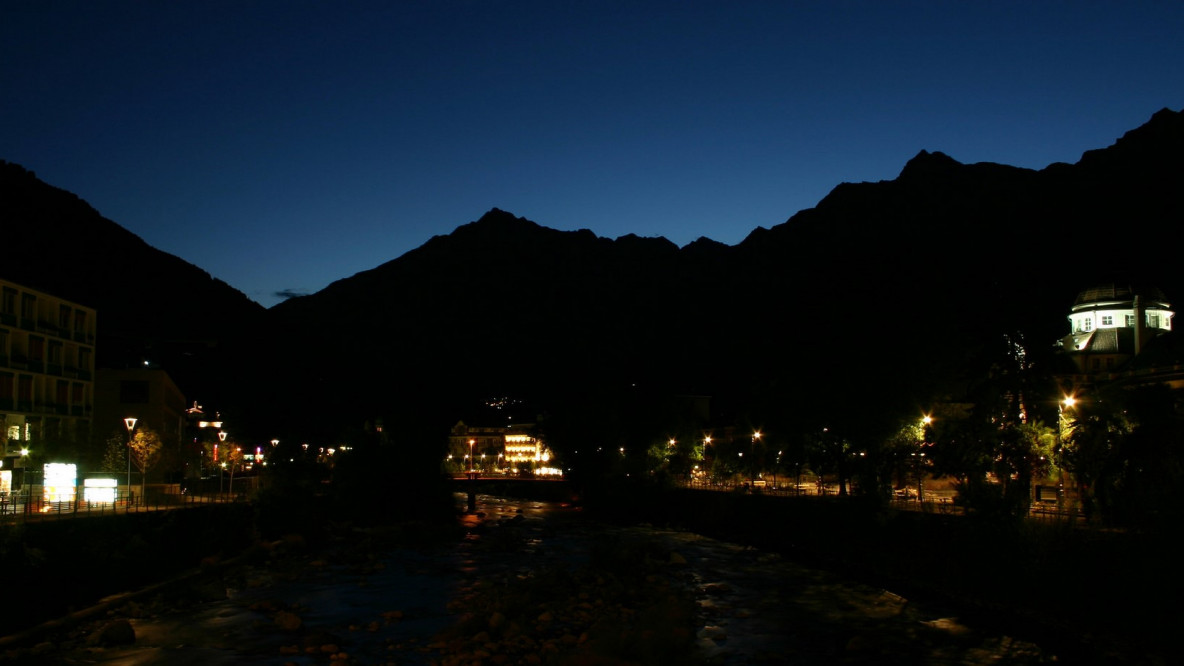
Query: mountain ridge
x,y
896,284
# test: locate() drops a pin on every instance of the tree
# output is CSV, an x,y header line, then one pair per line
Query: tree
x,y
146,448
996,452
1123,448
233,459
115,454
828,453
895,462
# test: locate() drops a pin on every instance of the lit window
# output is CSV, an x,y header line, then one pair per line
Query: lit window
x,y
1153,320
1087,324
1130,320
1107,320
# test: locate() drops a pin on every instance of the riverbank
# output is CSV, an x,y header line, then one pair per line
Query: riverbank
x,y
1091,592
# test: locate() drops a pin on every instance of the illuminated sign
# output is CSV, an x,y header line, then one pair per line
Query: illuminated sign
x,y
99,491
60,482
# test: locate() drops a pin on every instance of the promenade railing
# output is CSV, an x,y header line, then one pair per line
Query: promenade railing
x,y
31,503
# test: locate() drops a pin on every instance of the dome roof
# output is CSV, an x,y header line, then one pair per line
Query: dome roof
x,y
1111,293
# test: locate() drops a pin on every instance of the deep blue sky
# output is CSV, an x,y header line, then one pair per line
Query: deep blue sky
x,y
284,145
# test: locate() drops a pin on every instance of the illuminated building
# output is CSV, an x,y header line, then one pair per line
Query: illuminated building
x,y
497,448
47,365
1119,335
522,448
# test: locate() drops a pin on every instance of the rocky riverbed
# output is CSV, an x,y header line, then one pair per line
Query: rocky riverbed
x,y
520,582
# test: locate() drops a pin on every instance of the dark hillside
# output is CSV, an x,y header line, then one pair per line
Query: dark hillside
x,y
150,304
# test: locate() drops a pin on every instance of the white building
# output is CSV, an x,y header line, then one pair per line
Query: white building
x,y
1110,325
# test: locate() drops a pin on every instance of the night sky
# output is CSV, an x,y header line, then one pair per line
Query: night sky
x,y
284,145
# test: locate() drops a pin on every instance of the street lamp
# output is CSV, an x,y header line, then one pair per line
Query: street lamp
x,y
221,438
707,471
238,452
471,443
130,424
1064,428
756,435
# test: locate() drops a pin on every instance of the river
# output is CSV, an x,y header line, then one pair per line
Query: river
x,y
537,582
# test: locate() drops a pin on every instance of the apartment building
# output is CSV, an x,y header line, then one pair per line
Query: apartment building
x,y
47,366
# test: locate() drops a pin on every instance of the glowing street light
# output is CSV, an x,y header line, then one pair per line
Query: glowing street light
x,y
221,438
756,435
471,443
130,424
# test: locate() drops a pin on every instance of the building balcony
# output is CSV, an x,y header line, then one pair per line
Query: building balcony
x,y
49,328
53,369
24,405
28,324
35,366
6,404
7,319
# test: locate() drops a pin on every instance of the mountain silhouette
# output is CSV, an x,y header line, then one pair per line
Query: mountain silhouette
x,y
151,306
877,301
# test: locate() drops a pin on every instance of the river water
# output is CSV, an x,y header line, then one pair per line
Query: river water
x,y
439,605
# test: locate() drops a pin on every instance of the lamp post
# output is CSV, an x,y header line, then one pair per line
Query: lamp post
x,y
471,443
707,471
756,435
1063,426
238,452
221,438
925,423
130,424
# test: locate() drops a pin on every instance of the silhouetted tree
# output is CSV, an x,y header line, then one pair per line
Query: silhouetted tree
x,y
1123,449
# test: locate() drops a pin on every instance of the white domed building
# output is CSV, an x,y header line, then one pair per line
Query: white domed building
x,y
1121,334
